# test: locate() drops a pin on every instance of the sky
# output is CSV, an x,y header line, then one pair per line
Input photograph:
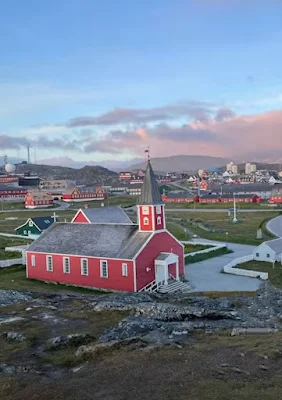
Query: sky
x,y
89,81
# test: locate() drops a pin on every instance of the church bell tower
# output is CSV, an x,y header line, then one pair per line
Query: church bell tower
x,y
151,216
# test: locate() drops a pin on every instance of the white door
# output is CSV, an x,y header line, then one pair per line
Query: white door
x,y
160,273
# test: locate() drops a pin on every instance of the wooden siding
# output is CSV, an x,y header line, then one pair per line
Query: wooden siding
x,y
115,280
160,242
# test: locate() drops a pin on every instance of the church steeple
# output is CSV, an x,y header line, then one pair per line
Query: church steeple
x,y
151,215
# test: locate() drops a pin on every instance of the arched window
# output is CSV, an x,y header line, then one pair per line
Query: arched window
x,y
146,221
159,221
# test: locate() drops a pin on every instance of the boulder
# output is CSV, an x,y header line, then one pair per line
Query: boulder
x,y
72,340
14,336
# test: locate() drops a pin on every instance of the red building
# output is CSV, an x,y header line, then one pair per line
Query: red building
x,y
229,198
124,176
181,197
83,194
11,193
114,256
38,199
203,184
276,196
103,215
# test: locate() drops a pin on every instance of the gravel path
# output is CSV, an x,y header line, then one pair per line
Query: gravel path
x,y
275,226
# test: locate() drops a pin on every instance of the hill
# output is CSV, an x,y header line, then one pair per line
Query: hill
x,y
88,175
183,163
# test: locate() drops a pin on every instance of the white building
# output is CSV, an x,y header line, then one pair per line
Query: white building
x,y
269,251
250,168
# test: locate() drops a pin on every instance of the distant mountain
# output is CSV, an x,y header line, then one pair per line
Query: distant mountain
x,y
88,175
183,163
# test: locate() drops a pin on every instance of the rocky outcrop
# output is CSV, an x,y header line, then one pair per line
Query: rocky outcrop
x,y
14,336
72,340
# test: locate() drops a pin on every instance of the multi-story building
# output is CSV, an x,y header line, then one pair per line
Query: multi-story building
x,y
250,168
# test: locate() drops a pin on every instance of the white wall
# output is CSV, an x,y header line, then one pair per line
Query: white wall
x,y
263,250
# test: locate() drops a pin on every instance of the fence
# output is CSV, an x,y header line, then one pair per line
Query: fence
x,y
13,261
214,246
229,268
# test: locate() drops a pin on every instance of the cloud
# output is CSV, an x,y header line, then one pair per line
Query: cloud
x,y
192,109
142,133
224,114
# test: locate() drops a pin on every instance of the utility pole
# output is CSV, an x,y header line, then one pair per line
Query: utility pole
x,y
234,209
28,154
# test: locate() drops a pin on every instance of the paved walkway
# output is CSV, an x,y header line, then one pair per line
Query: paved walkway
x,y
275,226
206,276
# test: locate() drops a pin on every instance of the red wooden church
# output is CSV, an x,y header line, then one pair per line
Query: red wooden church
x,y
114,256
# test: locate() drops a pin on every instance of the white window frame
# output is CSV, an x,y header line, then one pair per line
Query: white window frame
x,y
30,223
102,274
159,209
82,266
159,220
145,210
66,268
124,269
146,221
49,265
25,232
33,261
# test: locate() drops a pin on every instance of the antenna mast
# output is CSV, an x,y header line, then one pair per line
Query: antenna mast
x,y
28,154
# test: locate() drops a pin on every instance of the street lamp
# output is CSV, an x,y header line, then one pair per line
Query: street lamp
x,y
226,234
234,209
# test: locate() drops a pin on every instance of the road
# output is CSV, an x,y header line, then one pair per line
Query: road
x,y
215,210
275,226
206,276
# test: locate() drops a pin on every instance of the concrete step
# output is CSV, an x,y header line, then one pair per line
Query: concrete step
x,y
174,287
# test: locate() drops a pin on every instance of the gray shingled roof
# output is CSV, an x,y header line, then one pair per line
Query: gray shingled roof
x,y
162,256
107,215
150,193
109,241
275,245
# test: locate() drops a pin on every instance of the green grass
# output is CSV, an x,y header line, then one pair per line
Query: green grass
x,y
6,242
14,278
11,206
123,201
9,226
218,223
177,231
206,256
274,274
199,206
190,248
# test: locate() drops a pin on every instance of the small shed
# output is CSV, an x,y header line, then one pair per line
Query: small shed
x,y
269,251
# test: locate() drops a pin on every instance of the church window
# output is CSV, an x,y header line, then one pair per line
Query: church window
x,y
146,221
159,209
159,221
145,210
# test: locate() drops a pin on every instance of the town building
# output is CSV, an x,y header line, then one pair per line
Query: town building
x,y
229,198
269,251
75,194
250,168
135,189
33,227
179,197
56,184
38,199
276,195
125,257
10,193
103,215
125,176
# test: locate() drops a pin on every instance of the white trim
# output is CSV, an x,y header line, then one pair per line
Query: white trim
x,y
163,214
102,271
124,269
134,277
29,219
79,255
49,257
154,213
81,266
80,210
33,260
64,266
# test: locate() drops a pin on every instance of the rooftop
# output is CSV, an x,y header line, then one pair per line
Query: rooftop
x,y
150,193
92,240
107,215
